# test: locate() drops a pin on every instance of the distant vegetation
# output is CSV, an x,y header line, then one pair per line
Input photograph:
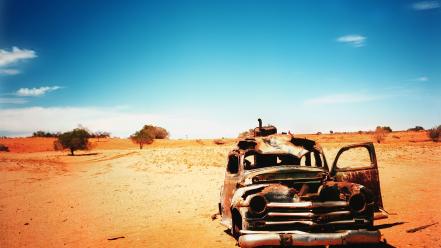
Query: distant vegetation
x,y
45,134
416,128
387,129
4,148
77,139
148,134
99,134
434,133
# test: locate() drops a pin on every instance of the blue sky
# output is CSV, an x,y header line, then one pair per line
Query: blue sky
x,y
211,68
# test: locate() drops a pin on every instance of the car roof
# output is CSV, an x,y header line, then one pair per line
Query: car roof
x,y
279,144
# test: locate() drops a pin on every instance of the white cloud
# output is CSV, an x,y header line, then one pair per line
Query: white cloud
x,y
16,54
353,39
9,71
36,91
12,100
340,98
118,121
425,5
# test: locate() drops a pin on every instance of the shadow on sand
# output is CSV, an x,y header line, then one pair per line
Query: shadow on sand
x,y
83,154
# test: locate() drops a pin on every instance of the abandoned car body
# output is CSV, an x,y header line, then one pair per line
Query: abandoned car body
x,y
279,190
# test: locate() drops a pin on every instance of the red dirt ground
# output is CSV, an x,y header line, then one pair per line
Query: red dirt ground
x,y
164,195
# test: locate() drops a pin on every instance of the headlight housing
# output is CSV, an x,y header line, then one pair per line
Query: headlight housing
x,y
258,204
357,202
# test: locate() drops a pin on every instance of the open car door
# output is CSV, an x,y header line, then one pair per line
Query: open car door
x,y
358,164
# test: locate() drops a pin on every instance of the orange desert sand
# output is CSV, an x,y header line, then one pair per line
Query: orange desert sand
x,y
116,195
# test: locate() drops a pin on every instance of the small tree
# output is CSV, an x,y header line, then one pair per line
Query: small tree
x,y
142,137
380,134
147,134
78,139
434,133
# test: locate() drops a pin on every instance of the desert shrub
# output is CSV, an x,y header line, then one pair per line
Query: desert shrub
x,y
434,133
219,141
416,128
77,139
161,133
360,132
318,133
331,132
380,134
4,148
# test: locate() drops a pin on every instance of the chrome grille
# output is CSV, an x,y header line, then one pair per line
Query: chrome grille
x,y
307,216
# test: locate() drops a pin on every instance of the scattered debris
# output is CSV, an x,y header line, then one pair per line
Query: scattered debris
x,y
388,225
115,238
214,216
416,229
219,142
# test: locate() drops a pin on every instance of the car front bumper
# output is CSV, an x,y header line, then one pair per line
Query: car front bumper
x,y
250,239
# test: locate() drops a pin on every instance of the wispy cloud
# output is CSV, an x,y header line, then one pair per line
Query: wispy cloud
x,y
422,79
16,54
12,100
36,91
340,98
426,5
119,121
9,72
355,40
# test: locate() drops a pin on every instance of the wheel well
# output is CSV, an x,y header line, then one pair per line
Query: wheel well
x,y
236,217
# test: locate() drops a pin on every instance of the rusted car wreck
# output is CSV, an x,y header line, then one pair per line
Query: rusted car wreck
x,y
280,191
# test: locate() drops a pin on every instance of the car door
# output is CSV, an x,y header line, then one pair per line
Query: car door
x,y
232,176
358,164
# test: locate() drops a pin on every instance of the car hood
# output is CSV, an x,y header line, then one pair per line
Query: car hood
x,y
283,173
